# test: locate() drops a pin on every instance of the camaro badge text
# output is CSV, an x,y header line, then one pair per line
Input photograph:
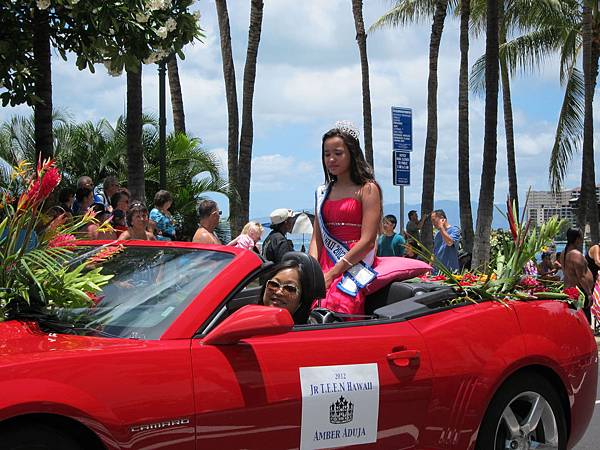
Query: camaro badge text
x,y
160,425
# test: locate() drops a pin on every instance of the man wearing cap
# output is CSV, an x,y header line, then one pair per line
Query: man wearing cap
x,y
276,244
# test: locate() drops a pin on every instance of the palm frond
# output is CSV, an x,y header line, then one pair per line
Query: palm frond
x,y
477,77
569,130
405,12
529,52
568,54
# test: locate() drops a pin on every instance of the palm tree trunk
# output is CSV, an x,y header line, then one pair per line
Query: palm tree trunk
x,y
361,39
432,131
481,249
176,97
508,116
135,152
464,181
232,114
588,208
247,133
43,84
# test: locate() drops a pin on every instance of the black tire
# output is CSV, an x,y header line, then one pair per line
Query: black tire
x,y
36,437
521,393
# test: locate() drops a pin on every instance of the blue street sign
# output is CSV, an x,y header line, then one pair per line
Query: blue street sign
x,y
402,128
401,168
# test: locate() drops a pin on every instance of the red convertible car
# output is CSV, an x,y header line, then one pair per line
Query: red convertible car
x,y
177,354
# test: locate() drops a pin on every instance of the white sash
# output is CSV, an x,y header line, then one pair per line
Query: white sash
x,y
360,274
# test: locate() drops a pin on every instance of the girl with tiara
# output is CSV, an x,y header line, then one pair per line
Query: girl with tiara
x,y
347,220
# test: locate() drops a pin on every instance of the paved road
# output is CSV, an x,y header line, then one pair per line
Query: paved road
x,y
591,440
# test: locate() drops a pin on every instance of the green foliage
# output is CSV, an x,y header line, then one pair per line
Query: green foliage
x,y
546,28
498,240
100,149
118,33
35,270
501,279
526,243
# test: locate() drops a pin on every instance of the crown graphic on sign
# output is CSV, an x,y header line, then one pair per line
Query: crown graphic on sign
x,y
341,411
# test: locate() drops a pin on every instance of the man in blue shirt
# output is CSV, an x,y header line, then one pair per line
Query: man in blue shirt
x,y
445,244
390,243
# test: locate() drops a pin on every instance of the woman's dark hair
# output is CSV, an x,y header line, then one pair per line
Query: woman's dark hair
x,y
65,195
135,208
81,193
360,170
572,235
312,282
116,197
162,197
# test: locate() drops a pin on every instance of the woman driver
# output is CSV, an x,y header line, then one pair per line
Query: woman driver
x,y
294,284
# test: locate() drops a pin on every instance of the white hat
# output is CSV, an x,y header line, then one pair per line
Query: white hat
x,y
280,215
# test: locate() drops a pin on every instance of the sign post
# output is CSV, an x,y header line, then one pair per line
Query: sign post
x,y
402,146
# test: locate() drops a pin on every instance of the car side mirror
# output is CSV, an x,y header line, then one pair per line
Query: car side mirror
x,y
250,321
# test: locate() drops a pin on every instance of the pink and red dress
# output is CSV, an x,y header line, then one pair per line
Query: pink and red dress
x,y
343,219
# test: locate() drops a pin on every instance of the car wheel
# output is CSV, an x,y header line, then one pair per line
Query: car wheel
x,y
35,437
526,413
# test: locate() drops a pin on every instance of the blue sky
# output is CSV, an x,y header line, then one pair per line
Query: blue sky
x,y
308,77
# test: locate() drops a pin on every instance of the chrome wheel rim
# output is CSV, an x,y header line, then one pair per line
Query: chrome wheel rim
x,y
527,422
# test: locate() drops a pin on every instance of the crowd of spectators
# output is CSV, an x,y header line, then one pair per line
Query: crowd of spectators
x,y
116,215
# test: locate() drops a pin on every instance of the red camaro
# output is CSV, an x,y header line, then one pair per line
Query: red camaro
x,y
177,354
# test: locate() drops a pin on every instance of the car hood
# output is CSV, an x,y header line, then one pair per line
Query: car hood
x,y
22,340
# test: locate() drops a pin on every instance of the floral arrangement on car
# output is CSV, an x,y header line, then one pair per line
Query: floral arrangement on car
x,y
505,278
39,271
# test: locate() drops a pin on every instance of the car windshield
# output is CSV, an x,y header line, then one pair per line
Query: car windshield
x,y
150,287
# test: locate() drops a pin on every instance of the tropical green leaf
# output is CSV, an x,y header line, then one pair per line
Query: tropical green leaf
x,y
569,130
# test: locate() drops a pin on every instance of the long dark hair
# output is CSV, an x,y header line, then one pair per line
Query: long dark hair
x,y
360,171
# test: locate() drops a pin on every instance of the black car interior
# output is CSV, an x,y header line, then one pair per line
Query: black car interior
x,y
397,300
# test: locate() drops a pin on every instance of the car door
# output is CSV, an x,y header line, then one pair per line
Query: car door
x,y
323,386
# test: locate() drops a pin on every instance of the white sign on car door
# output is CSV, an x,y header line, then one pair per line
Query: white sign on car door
x,y
340,405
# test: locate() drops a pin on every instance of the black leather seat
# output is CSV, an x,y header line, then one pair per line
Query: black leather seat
x,y
396,292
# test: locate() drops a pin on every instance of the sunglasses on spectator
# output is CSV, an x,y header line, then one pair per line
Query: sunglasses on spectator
x,y
289,289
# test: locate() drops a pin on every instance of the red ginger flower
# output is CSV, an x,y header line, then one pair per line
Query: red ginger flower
x,y
63,240
572,292
46,180
529,282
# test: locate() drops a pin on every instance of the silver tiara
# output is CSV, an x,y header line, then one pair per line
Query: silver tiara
x,y
348,127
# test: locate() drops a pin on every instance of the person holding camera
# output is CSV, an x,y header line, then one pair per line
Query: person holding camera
x,y
445,243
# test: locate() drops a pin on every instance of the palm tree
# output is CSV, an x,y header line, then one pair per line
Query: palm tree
x,y
508,18
17,137
361,39
191,172
176,97
403,12
232,111
135,152
555,27
43,83
464,181
100,149
503,23
247,132
588,206
481,248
